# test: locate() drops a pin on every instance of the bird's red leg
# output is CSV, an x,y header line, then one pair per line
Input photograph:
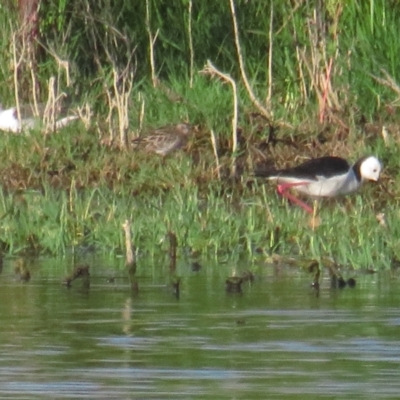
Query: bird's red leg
x,y
282,190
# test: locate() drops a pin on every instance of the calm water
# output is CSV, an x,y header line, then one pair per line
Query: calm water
x,y
276,340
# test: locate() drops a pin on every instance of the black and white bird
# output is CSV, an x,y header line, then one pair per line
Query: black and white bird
x,y
323,177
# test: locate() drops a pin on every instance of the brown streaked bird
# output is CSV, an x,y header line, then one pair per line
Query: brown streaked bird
x,y
164,140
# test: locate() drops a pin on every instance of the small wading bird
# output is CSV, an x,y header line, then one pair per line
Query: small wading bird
x,y
323,177
9,121
164,140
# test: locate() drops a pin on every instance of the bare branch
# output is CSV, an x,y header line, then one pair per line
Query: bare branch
x,y
209,69
250,92
151,45
191,50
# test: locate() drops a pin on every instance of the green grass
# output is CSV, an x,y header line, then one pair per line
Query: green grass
x,y
66,191
217,222
69,191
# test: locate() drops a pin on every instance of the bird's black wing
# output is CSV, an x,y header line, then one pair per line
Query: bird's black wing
x,y
264,171
324,166
310,170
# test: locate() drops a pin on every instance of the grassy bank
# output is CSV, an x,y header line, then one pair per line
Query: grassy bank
x,y
66,191
74,188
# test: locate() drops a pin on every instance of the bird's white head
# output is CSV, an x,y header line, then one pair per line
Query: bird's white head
x,y
370,168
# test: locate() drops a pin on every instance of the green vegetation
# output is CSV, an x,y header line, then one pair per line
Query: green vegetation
x,y
330,90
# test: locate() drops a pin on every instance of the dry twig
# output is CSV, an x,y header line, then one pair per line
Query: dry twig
x,y
388,81
191,50
209,69
152,41
250,92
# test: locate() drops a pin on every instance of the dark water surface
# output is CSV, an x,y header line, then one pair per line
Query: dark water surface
x,y
276,340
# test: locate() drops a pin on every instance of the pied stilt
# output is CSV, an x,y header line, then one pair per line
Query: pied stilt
x,y
323,177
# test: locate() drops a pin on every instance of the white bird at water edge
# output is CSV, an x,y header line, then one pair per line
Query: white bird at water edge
x,y
9,121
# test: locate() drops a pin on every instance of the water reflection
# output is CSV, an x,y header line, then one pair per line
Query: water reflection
x,y
275,339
